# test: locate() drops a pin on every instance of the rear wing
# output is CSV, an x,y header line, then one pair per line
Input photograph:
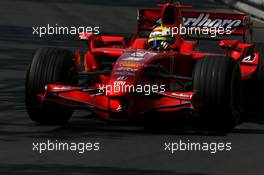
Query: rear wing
x,y
240,24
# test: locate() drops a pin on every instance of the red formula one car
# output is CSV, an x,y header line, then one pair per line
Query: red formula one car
x,y
119,81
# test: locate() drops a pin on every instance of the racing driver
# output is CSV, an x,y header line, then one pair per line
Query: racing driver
x,y
160,38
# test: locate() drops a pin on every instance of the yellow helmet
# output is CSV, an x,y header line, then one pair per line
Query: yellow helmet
x,y
160,38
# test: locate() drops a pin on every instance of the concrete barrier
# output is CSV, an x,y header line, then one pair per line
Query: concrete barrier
x,y
252,7
257,3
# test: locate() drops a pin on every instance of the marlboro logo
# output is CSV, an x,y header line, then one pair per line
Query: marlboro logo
x,y
204,20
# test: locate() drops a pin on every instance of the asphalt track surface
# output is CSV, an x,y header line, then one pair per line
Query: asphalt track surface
x,y
124,149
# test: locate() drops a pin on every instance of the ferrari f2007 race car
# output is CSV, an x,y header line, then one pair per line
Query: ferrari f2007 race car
x,y
112,77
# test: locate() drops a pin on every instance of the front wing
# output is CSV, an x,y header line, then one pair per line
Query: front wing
x,y
116,107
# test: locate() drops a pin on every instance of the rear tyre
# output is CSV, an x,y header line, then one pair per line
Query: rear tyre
x,y
217,84
49,65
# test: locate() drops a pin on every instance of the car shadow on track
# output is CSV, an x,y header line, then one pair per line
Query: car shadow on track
x,y
97,128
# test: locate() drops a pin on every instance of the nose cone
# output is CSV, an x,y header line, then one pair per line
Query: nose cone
x,y
127,71
120,86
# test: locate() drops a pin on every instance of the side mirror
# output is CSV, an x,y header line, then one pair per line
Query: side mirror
x,y
229,44
86,36
90,39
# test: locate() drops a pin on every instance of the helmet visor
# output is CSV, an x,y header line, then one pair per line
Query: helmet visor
x,y
159,42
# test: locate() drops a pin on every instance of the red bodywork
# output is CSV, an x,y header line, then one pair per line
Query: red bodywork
x,y
135,64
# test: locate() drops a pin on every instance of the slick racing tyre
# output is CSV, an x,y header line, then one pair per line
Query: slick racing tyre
x,y
218,89
49,65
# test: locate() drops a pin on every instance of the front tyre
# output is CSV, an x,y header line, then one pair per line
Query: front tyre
x,y
217,84
49,65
